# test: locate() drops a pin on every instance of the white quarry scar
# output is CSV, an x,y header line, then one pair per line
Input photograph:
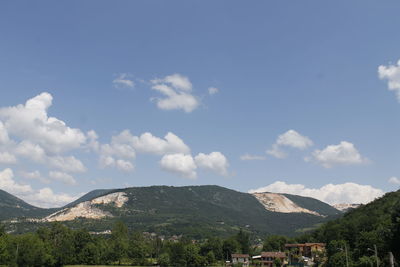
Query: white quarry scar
x,y
88,209
280,203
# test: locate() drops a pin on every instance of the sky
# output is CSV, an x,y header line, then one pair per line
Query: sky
x,y
301,97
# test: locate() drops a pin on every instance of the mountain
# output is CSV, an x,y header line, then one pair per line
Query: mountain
x,y
194,211
13,207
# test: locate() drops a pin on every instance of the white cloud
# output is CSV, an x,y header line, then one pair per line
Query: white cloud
x,y
35,175
123,81
344,153
215,161
7,158
177,90
350,193
46,198
292,139
181,164
212,90
177,81
124,165
62,177
66,164
147,143
276,152
8,183
4,138
252,157
391,73
31,122
92,141
394,180
31,151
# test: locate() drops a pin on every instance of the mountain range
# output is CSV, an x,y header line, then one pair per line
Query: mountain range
x,y
194,211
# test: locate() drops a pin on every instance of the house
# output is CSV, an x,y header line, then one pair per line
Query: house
x,y
241,259
268,258
308,250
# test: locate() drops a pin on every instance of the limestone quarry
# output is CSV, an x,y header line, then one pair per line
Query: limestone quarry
x,y
89,209
279,203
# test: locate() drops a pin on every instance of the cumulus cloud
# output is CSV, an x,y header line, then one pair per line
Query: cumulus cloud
x,y
31,151
177,91
350,193
123,81
7,158
180,164
394,180
67,164
4,138
147,143
31,122
252,157
391,73
34,175
124,146
62,177
46,198
212,90
215,161
292,139
277,152
344,153
8,183
124,165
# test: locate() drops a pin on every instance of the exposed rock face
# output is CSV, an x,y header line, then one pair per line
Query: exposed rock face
x,y
88,209
279,203
345,207
118,198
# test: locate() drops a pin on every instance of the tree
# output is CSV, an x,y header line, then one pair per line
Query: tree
x,y
32,252
365,261
177,254
119,242
138,248
277,262
243,239
90,254
164,260
3,250
275,243
230,246
61,242
213,244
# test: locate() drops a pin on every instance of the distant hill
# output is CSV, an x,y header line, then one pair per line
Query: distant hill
x,y
194,211
13,207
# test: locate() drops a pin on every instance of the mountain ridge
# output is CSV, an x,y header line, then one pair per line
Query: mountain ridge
x,y
195,211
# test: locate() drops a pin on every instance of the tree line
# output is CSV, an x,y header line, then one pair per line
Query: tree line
x,y
59,245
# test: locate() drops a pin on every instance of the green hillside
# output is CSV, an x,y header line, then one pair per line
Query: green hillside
x,y
377,223
13,207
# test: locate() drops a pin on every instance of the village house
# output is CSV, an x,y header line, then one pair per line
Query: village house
x,y
308,250
242,259
268,258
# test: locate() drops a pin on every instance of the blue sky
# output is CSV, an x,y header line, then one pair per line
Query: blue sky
x,y
305,68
